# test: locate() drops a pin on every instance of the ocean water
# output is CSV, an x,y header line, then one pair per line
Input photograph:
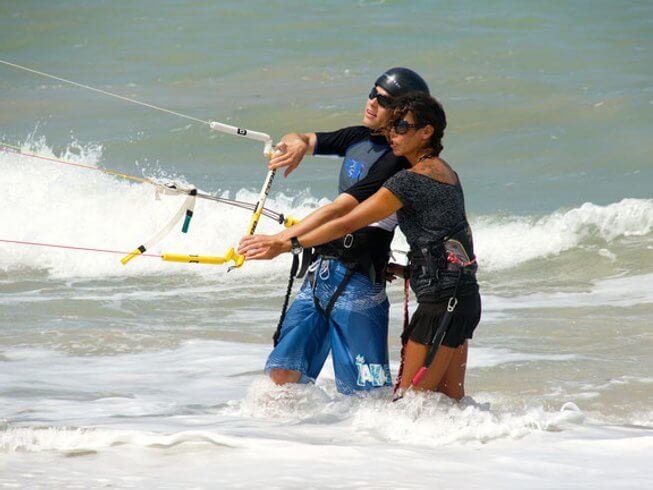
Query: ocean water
x,y
150,375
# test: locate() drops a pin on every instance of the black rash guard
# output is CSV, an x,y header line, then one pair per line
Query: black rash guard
x,y
368,163
337,143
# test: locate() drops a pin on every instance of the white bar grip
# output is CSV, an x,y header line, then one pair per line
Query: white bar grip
x,y
245,133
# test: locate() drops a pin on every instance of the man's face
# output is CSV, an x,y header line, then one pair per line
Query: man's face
x,y
376,117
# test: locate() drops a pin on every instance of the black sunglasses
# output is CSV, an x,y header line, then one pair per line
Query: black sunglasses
x,y
383,100
402,126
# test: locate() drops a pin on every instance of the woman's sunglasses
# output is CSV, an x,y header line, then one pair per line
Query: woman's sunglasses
x,y
383,100
402,126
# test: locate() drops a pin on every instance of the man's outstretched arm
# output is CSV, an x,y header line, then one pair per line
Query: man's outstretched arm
x,y
293,147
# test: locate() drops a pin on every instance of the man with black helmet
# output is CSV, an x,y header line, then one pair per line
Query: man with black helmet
x,y
342,305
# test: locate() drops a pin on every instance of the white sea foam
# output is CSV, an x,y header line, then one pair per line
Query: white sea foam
x,y
65,205
204,408
198,373
434,420
425,419
73,440
207,400
502,243
591,458
72,206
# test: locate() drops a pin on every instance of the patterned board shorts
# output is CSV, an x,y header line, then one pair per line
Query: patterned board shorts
x,y
356,331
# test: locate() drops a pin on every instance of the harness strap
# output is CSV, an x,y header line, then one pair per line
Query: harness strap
x,y
332,302
440,332
339,290
405,333
306,260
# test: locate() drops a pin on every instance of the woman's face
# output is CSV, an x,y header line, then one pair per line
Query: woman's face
x,y
376,116
405,138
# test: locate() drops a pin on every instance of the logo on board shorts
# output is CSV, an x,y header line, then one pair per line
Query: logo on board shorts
x,y
371,374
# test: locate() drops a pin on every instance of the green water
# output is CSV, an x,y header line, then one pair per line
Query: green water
x,y
551,100
133,369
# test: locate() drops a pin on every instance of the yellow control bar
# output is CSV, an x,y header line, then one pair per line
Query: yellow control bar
x,y
231,254
290,221
135,253
200,259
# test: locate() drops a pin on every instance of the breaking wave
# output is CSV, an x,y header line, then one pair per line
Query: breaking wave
x,y
73,206
506,242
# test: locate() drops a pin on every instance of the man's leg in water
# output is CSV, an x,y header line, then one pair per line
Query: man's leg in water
x,y
303,344
283,376
359,336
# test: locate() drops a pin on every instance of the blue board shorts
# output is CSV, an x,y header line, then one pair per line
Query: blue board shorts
x,y
356,331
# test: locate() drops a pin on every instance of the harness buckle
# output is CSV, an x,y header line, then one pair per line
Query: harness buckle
x,y
451,305
348,241
324,270
313,267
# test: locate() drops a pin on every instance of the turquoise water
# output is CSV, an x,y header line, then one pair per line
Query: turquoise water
x,y
155,368
552,99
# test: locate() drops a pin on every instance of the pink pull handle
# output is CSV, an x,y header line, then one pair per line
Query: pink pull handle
x,y
418,377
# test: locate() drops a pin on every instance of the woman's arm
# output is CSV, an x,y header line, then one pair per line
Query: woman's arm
x,y
339,207
342,205
381,205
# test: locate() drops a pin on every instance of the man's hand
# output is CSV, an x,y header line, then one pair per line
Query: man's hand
x,y
262,247
293,147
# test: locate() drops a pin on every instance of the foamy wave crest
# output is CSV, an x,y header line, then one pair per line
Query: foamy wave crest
x,y
428,419
73,206
432,419
501,243
65,205
79,440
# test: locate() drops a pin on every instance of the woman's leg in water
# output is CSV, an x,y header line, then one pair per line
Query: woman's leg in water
x,y
453,381
415,355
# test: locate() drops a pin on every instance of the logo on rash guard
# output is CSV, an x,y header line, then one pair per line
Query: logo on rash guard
x,y
374,374
354,168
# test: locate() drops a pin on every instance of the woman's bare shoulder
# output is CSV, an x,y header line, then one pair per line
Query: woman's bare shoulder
x,y
437,169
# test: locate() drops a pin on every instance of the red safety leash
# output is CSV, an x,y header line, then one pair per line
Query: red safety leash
x,y
404,339
71,247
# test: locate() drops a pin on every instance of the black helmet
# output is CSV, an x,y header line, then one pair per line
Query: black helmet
x,y
398,81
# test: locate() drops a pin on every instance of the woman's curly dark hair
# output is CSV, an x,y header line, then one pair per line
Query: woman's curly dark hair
x,y
427,111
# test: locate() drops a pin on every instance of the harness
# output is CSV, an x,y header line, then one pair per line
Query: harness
x,y
453,252
324,274
355,249
445,321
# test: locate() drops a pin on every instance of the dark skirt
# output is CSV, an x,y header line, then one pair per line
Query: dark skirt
x,y
426,320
